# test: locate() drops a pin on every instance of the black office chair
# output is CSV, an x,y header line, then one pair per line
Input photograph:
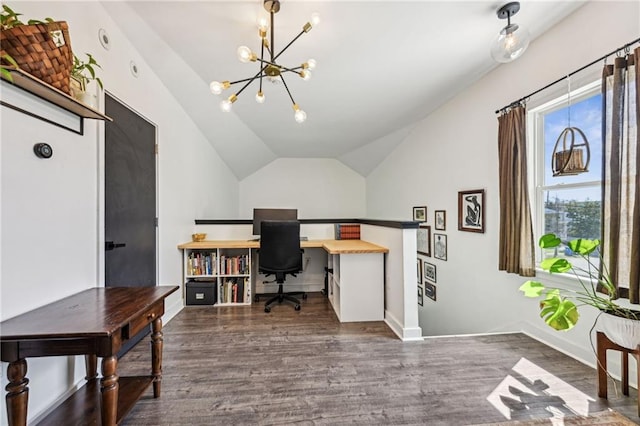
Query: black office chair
x,y
280,254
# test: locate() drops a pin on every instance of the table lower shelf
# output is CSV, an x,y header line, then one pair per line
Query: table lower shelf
x,y
83,407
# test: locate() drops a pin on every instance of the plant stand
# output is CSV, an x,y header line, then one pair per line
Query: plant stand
x,y
604,344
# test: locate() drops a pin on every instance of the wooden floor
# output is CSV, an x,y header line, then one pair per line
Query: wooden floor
x,y
240,366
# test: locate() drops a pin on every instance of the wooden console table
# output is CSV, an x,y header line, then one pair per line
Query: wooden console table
x,y
94,323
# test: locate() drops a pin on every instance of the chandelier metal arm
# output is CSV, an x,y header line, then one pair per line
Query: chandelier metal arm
x,y
250,80
287,46
271,33
280,66
287,88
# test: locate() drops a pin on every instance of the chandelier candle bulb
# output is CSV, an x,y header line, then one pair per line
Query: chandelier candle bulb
x,y
299,115
217,87
226,104
260,97
315,18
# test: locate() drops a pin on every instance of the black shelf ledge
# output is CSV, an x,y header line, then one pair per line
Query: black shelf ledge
x,y
377,222
48,93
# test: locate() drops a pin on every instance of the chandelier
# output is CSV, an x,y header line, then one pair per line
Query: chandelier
x,y
269,68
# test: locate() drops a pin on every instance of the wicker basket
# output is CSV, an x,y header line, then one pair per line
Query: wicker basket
x,y
42,50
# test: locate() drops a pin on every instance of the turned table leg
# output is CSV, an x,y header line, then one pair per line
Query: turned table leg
x,y
109,390
17,393
156,355
91,366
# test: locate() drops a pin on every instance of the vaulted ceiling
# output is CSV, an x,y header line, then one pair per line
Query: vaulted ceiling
x,y
382,66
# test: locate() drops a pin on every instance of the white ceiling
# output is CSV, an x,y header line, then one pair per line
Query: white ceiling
x,y
382,66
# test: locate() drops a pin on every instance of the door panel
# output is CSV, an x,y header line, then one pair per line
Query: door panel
x,y
130,198
130,202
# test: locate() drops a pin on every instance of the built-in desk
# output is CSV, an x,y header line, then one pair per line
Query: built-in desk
x,y
94,323
356,279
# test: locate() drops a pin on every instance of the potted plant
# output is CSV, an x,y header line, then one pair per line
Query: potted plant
x,y
559,306
82,73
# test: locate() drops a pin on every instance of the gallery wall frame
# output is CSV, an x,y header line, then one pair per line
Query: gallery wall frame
x,y
420,297
423,243
471,206
430,291
429,272
419,267
420,214
440,246
440,220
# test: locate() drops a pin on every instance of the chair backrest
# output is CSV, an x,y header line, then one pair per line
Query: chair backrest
x,y
280,247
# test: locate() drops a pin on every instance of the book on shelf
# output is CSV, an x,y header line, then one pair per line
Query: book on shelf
x,y
233,290
201,263
347,231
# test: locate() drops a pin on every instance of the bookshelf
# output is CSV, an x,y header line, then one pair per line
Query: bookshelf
x,y
218,276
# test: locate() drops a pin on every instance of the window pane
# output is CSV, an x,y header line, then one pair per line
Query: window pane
x,y
585,115
573,213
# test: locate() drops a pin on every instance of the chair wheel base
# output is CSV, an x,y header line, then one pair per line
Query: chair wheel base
x,y
267,309
304,296
297,307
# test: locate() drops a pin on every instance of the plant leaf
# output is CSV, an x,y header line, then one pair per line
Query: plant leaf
x,y
549,241
555,265
532,288
583,246
558,312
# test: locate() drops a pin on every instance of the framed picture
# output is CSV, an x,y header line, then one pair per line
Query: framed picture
x,y
423,243
420,298
430,291
419,271
420,214
441,220
440,246
429,272
471,211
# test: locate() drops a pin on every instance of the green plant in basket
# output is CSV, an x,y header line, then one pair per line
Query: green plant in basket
x,y
85,71
559,306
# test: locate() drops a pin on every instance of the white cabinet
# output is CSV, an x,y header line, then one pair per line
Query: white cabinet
x,y
223,272
356,286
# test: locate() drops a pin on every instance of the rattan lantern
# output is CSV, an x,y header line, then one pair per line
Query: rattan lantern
x,y
571,153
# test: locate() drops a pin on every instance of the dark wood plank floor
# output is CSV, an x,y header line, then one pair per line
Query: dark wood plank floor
x,y
239,365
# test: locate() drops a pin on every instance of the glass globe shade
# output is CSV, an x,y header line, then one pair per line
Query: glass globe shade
x,y
260,97
510,43
244,54
216,87
307,75
225,105
300,116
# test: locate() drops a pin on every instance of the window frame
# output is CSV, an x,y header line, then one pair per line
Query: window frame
x,y
536,153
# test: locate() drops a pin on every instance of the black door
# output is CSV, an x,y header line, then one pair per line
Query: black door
x,y
130,200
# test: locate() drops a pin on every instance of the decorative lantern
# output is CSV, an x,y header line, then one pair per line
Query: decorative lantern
x,y
574,157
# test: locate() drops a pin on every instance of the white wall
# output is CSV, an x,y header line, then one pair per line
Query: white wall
x,y
51,222
318,188
455,149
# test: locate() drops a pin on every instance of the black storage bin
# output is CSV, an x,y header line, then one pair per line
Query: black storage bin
x,y
201,293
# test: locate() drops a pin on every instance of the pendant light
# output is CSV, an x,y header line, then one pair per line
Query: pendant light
x,y
512,40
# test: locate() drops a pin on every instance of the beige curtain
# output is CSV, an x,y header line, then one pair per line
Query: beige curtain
x,y
621,181
516,231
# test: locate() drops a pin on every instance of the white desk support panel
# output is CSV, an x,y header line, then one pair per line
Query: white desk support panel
x,y
356,286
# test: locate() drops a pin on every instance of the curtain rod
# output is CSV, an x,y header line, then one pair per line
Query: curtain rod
x,y
568,75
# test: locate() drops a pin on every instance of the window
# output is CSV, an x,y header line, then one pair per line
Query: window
x,y
569,206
